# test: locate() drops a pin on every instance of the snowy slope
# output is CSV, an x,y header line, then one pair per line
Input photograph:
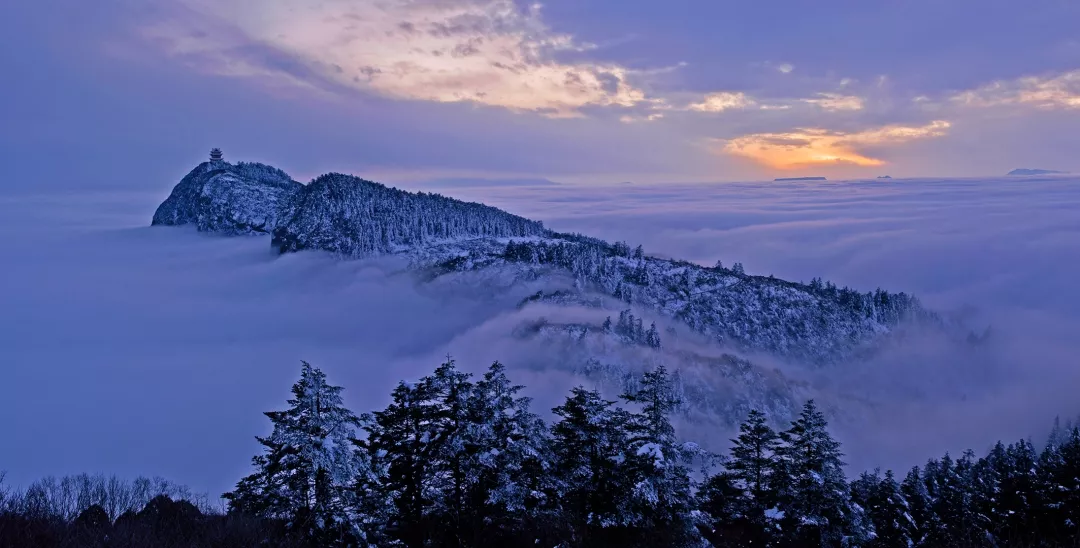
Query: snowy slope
x,y
714,387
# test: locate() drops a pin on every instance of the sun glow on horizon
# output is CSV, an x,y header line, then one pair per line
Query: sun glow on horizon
x,y
821,147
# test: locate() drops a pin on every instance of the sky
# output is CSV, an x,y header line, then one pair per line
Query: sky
x,y
580,92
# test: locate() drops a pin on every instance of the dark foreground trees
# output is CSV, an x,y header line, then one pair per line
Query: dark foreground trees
x,y
160,523
458,461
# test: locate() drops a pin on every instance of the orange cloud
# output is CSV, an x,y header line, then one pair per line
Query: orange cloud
x,y
820,147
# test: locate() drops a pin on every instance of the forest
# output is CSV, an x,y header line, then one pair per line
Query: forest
x,y
458,461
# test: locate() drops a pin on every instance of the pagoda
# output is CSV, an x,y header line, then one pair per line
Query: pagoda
x,y
215,156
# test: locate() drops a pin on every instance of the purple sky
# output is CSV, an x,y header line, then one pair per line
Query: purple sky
x,y
598,91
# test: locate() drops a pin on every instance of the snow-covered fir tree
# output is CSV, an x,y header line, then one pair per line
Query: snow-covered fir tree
x,y
631,329
919,506
652,337
814,496
451,461
514,493
754,467
660,464
720,507
590,444
401,438
1012,509
1059,485
885,519
309,464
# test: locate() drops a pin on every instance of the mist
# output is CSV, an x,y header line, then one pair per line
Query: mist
x,y
138,350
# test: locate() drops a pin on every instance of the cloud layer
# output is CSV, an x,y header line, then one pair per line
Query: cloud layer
x,y
154,350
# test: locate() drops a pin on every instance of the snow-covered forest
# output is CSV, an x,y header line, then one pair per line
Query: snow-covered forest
x,y
455,460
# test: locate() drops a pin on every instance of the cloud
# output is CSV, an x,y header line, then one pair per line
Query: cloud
x,y
786,68
721,101
810,147
488,52
835,102
1060,91
629,119
727,100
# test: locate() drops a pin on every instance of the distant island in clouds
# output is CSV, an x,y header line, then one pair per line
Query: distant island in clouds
x,y
800,179
1026,171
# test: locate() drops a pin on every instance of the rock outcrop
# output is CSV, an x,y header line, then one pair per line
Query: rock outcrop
x,y
231,199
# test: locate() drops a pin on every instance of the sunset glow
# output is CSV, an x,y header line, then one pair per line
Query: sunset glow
x,y
821,147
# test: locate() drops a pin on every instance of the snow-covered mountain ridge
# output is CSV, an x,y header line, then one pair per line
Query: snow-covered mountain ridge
x,y
813,323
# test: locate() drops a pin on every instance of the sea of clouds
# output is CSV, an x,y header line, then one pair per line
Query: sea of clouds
x,y
136,350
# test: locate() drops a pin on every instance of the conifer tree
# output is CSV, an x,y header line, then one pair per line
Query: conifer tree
x,y
514,492
402,438
369,501
1060,486
971,525
1016,502
921,490
452,459
652,337
755,468
590,442
659,463
887,519
720,503
309,464
862,492
814,501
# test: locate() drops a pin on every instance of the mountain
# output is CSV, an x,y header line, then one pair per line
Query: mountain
x,y
816,323
233,199
1026,171
338,213
357,218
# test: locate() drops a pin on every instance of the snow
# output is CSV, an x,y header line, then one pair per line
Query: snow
x,y
653,451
